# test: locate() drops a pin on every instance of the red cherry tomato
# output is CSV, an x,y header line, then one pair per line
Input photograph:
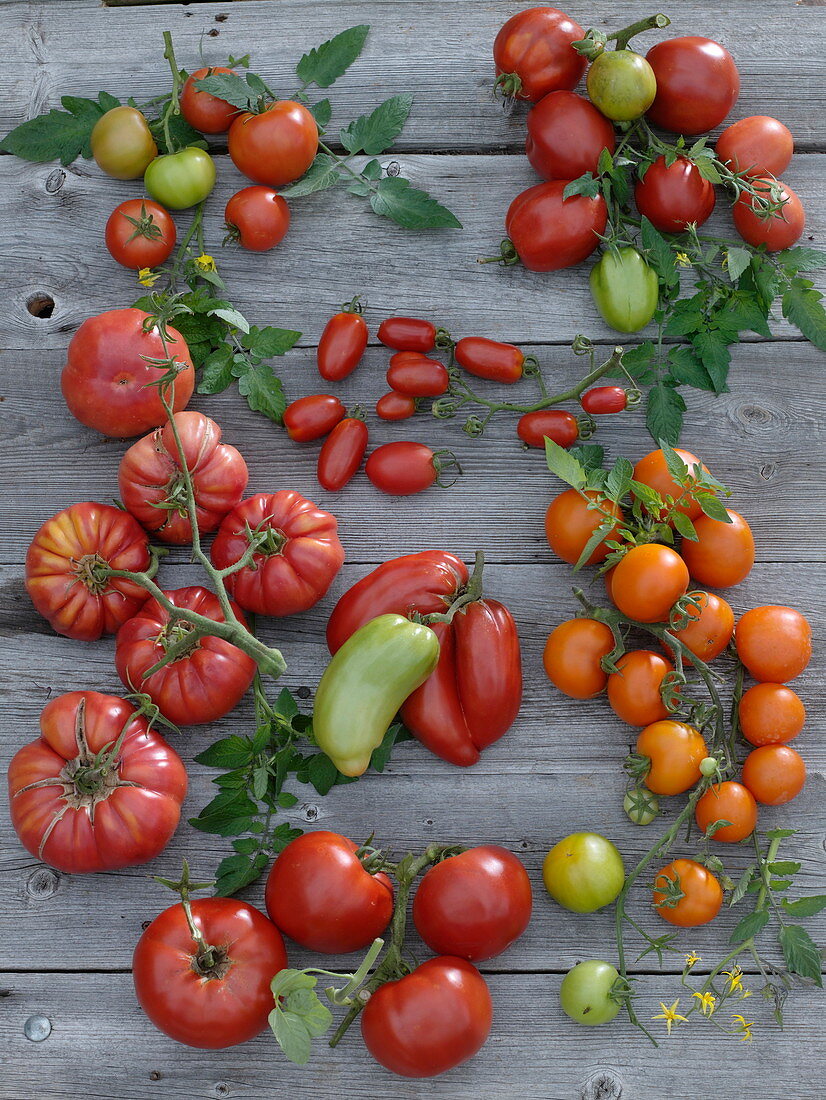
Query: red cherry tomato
x,y
403,468
313,416
549,232
673,197
408,334
556,424
777,230
140,233
603,400
490,359
206,112
758,145
534,53
341,454
342,345
275,147
258,218
566,134
415,375
395,406
697,84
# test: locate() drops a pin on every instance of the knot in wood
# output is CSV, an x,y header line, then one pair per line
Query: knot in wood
x,y
222,1089
602,1085
768,471
42,883
309,812
55,180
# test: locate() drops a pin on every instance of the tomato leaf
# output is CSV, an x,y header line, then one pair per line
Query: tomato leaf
x,y
409,207
801,259
685,528
587,185
324,64
805,907
263,391
229,752
664,413
59,135
394,735
374,133
230,87
320,772
713,507
801,953
751,925
321,174
713,352
619,479
742,886
802,305
659,253
216,370
564,465
784,867
737,261
266,342
322,112
236,872
685,367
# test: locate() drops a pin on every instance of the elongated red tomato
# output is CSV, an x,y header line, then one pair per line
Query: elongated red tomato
x,y
403,468
151,483
490,359
758,145
407,334
602,400
566,134
99,789
205,682
298,552
549,232
534,53
415,375
555,424
313,416
342,345
395,406
67,569
341,454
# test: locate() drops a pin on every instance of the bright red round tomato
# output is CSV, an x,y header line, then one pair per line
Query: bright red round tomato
x,y
201,685
108,382
572,657
341,345
602,400
722,554
776,231
81,810
697,84
312,417
395,406
571,520
727,802
774,774
549,232
771,714
320,894
341,454
211,999
151,485
258,218
414,375
206,112
709,628
774,643
534,53
473,905
534,428
275,147
675,750
66,574
648,581
293,566
758,145
566,135
400,469
429,1021
140,233
674,197
634,689
702,894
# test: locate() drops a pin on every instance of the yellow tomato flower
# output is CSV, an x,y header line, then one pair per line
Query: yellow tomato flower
x,y
735,979
744,1028
148,277
670,1015
691,959
206,263
707,1002
683,259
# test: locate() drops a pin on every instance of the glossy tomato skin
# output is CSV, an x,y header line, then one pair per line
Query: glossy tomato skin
x,y
61,576
770,714
703,894
401,469
132,817
275,147
556,424
407,334
781,229
648,581
341,454
652,470
604,400
395,406
320,895
150,481
490,359
625,290
206,1011
570,522
259,216
206,112
774,643
675,750
710,626
122,143
180,180
536,45
572,657
697,84
429,1021
585,993
107,382
291,573
727,802
473,905
549,232
140,233
202,685
634,689
415,375
774,774
673,196
342,345
584,872
566,135
313,416
758,145
722,554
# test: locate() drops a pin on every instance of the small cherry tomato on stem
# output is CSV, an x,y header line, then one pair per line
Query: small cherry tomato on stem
x,y
395,406
697,84
774,774
534,55
122,143
556,424
140,233
727,802
634,690
722,554
490,359
342,343
206,112
547,232
276,146
777,230
257,217
572,657
180,180
414,375
653,471
313,416
648,581
408,334
571,520
603,400
771,714
674,750
550,145
702,894
341,453
673,196
621,85
757,146
774,643
403,468
583,872
709,627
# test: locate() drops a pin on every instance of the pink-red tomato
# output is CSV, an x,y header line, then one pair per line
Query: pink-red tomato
x,y
758,146
534,53
276,146
697,84
258,218
566,135
777,230
675,196
206,112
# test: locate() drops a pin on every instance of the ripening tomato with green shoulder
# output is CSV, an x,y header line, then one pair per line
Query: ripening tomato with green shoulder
x,y
276,146
621,84
122,143
648,581
572,657
730,802
687,894
774,643
709,628
573,518
204,111
180,180
625,289
584,872
771,714
674,751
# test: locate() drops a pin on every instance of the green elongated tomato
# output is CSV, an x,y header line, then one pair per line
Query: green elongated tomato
x,y
625,289
364,685
179,180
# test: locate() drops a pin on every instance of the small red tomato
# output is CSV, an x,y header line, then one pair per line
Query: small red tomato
x,y
697,84
490,359
140,233
342,453
757,146
415,375
673,197
604,399
549,232
395,406
401,469
258,218
556,424
206,112
342,344
551,125
776,230
407,334
312,417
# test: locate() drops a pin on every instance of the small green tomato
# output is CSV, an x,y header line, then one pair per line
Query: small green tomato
x,y
583,872
621,84
585,993
641,806
708,766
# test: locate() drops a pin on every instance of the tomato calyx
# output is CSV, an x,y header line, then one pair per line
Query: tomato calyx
x,y
178,637
93,571
466,594
144,226
210,962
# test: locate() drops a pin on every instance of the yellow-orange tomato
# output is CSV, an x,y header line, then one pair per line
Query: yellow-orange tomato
x,y
634,690
723,553
570,522
771,714
709,627
675,750
651,470
774,774
572,657
727,802
774,643
702,894
648,581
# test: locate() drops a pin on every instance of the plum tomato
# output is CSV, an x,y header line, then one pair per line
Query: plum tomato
x,y
757,146
414,375
341,453
585,993
403,468
675,750
709,628
408,334
648,581
534,428
697,84
257,217
140,233
604,400
206,112
549,232
342,344
771,714
534,55
572,657
687,894
777,230
774,774
674,196
566,135
309,418
634,689
722,554
573,517
774,643
583,872
395,406
276,146
727,802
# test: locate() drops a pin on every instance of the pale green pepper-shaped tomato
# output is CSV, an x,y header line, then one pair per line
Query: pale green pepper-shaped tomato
x,y
122,143
364,685
179,180
625,289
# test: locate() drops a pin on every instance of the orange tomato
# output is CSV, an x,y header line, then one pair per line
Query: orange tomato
x,y
651,470
727,802
702,894
675,750
723,553
774,774
648,581
570,522
634,690
709,628
572,657
774,643
771,714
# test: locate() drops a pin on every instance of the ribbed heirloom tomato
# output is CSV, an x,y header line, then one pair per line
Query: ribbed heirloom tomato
x,y
727,802
573,517
276,146
566,135
140,233
674,196
723,553
758,145
572,657
709,628
257,217
774,643
771,714
702,894
674,750
697,84
634,689
206,112
534,53
774,774
647,582
549,232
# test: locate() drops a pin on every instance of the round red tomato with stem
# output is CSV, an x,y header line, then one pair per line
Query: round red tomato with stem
x,y
534,54
604,400
99,790
204,111
534,428
312,417
648,581
566,135
342,343
152,486
697,84
409,334
573,518
723,553
687,894
140,233
321,893
414,375
573,654
774,218
403,468
652,470
770,714
774,774
276,146
395,406
774,643
206,676
342,452
67,569
757,146
634,690
110,381
730,802
674,196
673,750
709,628
257,217
429,1021
296,554
547,232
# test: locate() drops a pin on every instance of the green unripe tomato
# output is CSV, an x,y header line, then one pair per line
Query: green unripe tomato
x,y
583,872
641,806
621,84
122,143
179,180
585,993
625,289
708,766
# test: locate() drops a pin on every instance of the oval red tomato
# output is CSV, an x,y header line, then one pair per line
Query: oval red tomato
x,y
697,84
395,406
758,146
534,53
566,135
414,375
342,344
341,454
549,232
402,468
534,427
313,416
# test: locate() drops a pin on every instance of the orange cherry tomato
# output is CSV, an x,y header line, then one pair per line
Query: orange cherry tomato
x,y
774,774
570,521
774,643
709,627
675,750
634,691
648,581
727,802
771,714
651,470
702,893
723,553
572,657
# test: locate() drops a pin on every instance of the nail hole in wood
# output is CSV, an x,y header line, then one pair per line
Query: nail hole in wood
x,y
40,305
155,1075
303,693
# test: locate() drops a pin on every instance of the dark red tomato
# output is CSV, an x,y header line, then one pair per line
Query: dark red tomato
x,y
534,53
548,232
395,406
407,334
275,147
320,895
312,417
758,146
108,378
342,345
417,376
401,469
206,112
556,424
258,218
429,1021
672,197
201,685
341,454
566,134
780,229
603,400
490,359
697,84
140,233
215,994
474,905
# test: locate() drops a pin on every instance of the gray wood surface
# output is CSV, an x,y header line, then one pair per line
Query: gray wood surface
x,y
66,942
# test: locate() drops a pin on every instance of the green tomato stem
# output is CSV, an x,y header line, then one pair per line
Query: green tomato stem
x,y
652,22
